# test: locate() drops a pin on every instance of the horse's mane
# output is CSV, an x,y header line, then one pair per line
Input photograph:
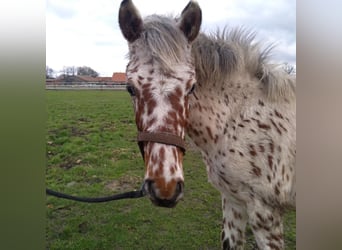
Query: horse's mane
x,y
220,56
217,57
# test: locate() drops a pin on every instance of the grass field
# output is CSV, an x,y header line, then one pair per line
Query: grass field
x,y
91,151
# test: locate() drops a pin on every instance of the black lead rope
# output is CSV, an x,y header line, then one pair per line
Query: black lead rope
x,y
160,137
128,195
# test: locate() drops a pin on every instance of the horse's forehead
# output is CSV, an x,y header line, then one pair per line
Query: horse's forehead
x,y
149,73
147,67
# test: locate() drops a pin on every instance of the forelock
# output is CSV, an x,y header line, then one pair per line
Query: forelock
x,y
163,42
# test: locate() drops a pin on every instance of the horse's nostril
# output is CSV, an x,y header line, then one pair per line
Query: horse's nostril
x,y
180,187
148,186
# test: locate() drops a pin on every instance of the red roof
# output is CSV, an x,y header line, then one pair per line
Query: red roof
x,y
119,77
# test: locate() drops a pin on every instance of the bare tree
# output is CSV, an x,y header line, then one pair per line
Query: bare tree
x,y
68,73
71,70
49,72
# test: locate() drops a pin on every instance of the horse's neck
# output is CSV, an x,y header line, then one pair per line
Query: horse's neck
x,y
226,98
214,107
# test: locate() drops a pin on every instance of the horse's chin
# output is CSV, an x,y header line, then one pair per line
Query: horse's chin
x,y
164,203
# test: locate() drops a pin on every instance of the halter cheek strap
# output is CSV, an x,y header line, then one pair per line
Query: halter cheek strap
x,y
160,137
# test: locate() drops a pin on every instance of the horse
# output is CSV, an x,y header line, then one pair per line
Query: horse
x,y
239,110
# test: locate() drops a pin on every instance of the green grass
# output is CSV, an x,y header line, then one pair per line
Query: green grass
x,y
91,151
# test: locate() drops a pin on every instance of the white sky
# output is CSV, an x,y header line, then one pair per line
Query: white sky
x,y
86,32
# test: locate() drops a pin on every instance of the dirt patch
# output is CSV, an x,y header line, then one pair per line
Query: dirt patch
x,y
122,153
109,126
83,119
126,121
78,132
66,164
83,227
69,163
93,180
75,131
125,183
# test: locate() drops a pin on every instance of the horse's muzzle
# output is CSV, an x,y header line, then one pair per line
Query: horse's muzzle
x,y
158,199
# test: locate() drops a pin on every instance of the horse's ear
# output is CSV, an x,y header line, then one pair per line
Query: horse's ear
x,y
130,21
190,20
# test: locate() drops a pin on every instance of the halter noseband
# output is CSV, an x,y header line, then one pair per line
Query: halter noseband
x,y
160,137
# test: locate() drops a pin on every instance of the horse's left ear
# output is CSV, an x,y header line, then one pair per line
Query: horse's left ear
x,y
190,20
130,21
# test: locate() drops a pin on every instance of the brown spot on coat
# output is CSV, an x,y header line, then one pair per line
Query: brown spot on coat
x,y
260,217
210,133
276,190
276,127
270,161
271,147
269,178
237,215
281,125
263,126
252,150
255,169
261,148
273,246
277,237
224,179
278,114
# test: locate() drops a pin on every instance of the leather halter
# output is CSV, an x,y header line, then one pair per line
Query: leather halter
x,y
159,137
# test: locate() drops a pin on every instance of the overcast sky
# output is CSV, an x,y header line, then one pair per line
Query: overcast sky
x,y
86,33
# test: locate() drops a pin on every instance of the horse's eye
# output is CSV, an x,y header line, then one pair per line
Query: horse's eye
x,y
131,90
192,89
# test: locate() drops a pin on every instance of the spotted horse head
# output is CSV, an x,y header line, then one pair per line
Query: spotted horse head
x,y
161,76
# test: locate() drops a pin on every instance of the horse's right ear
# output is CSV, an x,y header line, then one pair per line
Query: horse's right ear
x,y
130,21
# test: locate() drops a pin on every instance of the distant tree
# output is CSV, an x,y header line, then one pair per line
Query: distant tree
x,y
68,73
49,72
86,71
69,70
290,69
